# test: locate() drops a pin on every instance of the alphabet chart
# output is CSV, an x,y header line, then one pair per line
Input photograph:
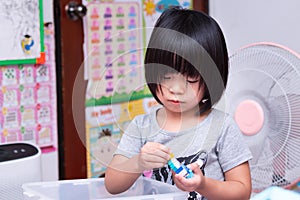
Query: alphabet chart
x,y
113,67
114,47
115,41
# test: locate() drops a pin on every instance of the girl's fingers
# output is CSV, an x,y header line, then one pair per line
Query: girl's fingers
x,y
157,146
154,155
154,158
196,165
157,150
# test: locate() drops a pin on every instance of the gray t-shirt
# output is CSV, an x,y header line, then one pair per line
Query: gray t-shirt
x,y
228,151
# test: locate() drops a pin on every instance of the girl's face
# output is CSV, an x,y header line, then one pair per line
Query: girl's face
x,y
180,93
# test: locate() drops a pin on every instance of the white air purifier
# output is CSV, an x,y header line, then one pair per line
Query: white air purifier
x,y
20,162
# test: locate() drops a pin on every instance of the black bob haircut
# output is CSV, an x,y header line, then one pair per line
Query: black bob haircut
x,y
191,43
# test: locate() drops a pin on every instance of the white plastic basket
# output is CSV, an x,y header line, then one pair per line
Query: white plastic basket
x,y
88,189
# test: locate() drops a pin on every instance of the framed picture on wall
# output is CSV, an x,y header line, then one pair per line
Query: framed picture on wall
x,y
22,32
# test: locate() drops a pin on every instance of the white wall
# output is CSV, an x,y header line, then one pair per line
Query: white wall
x,y
248,21
48,10
50,166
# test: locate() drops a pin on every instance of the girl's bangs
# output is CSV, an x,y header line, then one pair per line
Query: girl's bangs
x,y
172,63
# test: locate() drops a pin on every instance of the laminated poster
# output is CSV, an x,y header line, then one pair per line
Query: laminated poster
x,y
115,41
152,9
28,100
22,32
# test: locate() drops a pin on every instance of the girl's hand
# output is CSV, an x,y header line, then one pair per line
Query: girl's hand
x,y
191,184
153,155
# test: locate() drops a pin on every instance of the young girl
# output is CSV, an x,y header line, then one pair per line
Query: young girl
x,y
186,69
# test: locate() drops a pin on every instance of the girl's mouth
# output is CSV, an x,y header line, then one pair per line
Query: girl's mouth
x,y
175,101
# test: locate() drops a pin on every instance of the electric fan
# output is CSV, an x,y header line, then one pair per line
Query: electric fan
x,y
263,96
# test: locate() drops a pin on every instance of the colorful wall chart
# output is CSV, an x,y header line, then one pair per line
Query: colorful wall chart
x,y
22,32
115,76
152,9
28,100
105,125
115,40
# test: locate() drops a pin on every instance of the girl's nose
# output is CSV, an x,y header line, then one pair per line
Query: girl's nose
x,y
177,86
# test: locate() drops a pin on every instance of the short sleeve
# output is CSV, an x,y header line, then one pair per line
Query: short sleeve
x,y
131,141
232,148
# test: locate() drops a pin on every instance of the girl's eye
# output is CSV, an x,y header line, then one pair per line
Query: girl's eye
x,y
167,77
192,81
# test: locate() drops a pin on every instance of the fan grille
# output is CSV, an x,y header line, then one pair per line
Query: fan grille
x,y
269,75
